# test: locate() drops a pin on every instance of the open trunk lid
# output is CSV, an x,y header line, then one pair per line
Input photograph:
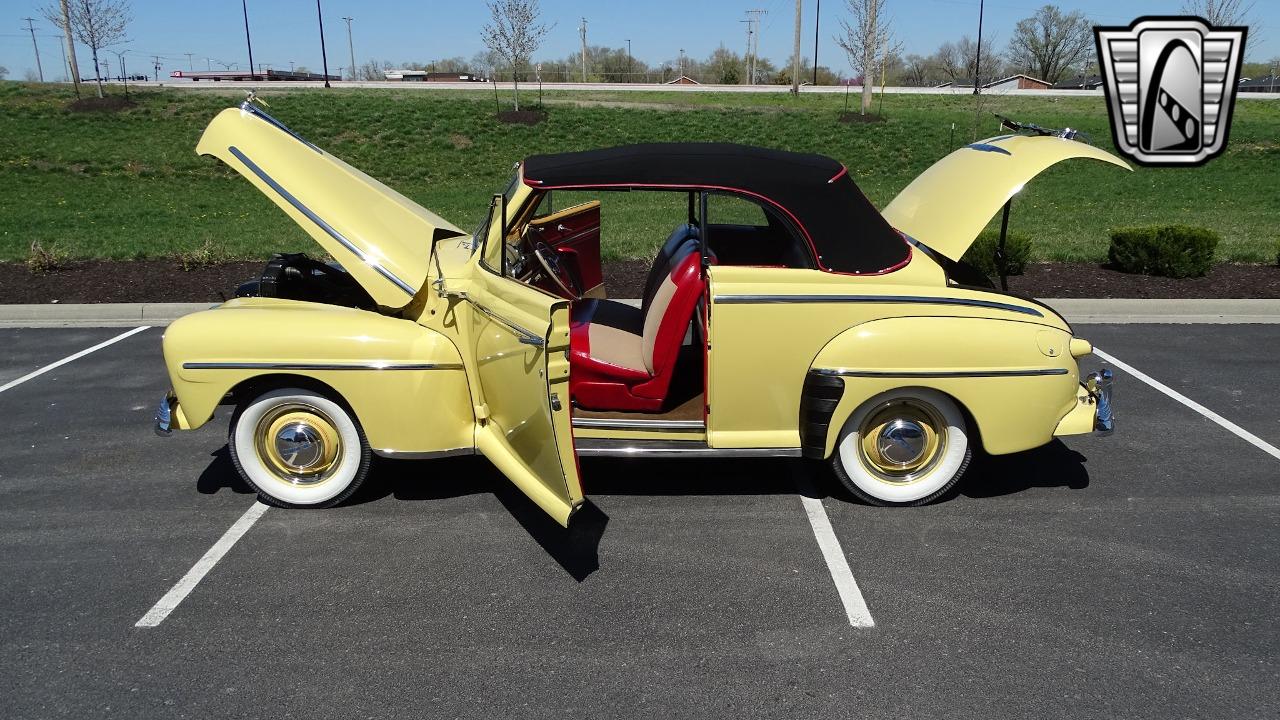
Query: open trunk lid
x,y
949,204
378,235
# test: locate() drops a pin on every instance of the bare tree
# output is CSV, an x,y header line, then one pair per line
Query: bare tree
x,y
95,23
916,70
371,71
3,72
1050,41
1220,12
867,41
514,33
958,61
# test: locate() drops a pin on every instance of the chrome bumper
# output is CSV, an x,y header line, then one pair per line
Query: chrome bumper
x,y
1100,385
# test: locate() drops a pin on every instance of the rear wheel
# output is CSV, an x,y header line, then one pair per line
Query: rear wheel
x,y
298,448
908,446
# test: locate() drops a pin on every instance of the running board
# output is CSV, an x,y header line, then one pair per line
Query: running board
x,y
600,447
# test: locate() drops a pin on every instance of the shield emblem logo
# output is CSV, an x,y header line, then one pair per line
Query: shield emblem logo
x,y
1171,86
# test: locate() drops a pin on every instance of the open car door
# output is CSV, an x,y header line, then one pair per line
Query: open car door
x,y
574,233
520,362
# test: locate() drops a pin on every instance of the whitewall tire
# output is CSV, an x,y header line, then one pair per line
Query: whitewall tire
x,y
298,448
908,446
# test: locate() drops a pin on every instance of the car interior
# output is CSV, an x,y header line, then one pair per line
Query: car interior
x,y
646,361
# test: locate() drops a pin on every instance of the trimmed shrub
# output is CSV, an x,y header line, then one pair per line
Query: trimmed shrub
x,y
982,253
1176,251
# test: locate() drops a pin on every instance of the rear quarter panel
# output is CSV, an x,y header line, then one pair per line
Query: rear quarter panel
x,y
415,410
768,327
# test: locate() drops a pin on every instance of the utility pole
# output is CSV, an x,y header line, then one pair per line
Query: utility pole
x,y
582,31
795,56
681,65
351,48
746,57
324,56
32,29
244,5
123,74
208,64
65,68
189,67
71,46
977,58
817,20
630,69
156,61
290,66
755,48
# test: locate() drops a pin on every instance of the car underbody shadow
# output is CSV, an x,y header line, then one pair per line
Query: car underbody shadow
x,y
1050,466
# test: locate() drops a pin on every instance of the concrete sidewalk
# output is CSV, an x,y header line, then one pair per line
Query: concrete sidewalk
x,y
1081,311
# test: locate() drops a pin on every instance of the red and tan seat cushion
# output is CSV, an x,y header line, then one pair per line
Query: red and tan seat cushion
x,y
614,367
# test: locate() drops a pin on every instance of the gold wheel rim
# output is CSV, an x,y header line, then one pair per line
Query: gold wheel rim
x,y
902,440
298,444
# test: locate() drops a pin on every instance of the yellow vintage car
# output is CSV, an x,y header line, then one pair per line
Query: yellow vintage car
x,y
801,322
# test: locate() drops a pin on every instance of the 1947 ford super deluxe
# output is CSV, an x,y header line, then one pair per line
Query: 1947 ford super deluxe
x,y
784,315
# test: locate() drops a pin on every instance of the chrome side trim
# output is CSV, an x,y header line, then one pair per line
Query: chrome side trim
x,y
256,111
297,204
878,299
658,425
318,366
527,337
847,372
423,455
593,447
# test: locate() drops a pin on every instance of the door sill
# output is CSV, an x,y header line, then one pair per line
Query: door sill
x,y
601,447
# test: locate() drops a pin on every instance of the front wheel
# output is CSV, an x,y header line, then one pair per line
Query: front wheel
x,y
908,446
298,448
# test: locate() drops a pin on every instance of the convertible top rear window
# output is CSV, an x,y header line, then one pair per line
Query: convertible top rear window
x,y
844,230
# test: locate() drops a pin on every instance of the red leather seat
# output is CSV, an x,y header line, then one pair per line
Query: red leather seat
x,y
622,357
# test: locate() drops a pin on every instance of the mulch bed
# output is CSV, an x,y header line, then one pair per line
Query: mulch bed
x,y
166,281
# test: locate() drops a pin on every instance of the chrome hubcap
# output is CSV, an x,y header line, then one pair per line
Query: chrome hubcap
x,y
299,446
902,442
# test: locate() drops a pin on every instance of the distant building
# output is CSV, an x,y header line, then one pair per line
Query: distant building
x,y
427,76
1013,82
682,80
1270,83
1079,82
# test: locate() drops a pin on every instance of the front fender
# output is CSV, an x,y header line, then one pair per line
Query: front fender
x,y
1017,380
405,383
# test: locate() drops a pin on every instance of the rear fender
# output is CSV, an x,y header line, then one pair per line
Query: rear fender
x,y
404,382
1017,380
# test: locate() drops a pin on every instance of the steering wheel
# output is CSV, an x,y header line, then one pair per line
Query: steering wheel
x,y
554,270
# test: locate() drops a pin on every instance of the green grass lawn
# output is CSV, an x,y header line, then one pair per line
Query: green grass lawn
x,y
129,184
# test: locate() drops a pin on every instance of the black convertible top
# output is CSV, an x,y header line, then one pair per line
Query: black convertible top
x,y
845,231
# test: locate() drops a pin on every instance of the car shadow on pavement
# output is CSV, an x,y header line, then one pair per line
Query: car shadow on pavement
x,y
221,473
1051,466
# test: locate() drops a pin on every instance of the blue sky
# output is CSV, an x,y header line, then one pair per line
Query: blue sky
x,y
405,30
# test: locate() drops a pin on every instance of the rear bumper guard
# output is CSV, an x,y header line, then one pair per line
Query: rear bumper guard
x,y
1101,387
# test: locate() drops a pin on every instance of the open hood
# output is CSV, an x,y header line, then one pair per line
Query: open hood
x,y
381,237
949,204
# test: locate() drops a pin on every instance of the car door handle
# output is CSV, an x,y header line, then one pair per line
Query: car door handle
x,y
560,227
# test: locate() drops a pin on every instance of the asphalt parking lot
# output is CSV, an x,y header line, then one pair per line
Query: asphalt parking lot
x,y
1134,575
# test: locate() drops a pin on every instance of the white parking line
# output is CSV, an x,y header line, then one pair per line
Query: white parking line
x,y
69,358
855,606
1245,435
183,588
